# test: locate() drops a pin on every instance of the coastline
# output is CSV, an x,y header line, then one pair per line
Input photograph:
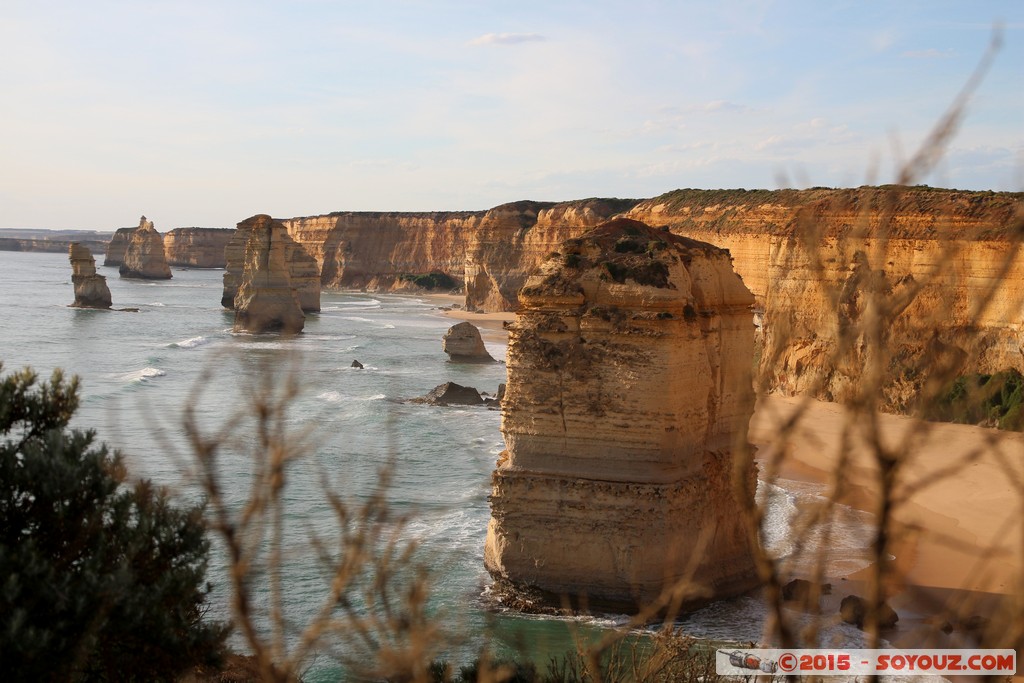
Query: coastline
x,y
962,549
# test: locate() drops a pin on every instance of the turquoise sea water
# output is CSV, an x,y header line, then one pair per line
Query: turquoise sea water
x,y
138,371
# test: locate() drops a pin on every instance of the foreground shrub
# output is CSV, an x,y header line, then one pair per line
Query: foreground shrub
x,y
98,580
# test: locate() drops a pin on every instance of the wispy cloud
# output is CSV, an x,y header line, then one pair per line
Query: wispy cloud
x,y
930,53
507,39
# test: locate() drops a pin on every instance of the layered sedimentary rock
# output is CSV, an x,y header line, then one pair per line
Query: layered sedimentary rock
x,y
144,257
197,247
946,258
266,301
303,271
463,344
91,290
513,239
117,246
628,389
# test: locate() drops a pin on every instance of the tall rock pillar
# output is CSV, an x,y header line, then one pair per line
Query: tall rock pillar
x,y
628,386
266,301
91,290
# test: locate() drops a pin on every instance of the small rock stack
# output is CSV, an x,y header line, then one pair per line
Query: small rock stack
x,y
91,290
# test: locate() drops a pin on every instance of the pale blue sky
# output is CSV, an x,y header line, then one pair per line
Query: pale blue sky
x,y
204,113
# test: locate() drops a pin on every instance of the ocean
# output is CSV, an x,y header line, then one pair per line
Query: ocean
x,y
139,370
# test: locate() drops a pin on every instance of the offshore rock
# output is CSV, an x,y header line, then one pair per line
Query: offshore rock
x,y
302,269
451,394
197,247
266,300
91,290
117,246
628,388
144,257
463,344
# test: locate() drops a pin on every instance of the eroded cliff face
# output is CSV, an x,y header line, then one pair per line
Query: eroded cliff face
x,y
513,239
144,256
197,247
628,388
266,301
116,247
945,258
386,251
91,290
303,271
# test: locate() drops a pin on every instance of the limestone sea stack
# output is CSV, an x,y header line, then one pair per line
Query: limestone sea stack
x,y
91,290
303,271
463,344
628,390
117,246
266,300
144,257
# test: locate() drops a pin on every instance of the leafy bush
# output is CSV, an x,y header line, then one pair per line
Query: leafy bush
x,y
994,400
430,281
98,580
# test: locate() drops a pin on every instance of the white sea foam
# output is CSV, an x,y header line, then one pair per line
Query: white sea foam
x,y
142,375
331,396
157,304
191,343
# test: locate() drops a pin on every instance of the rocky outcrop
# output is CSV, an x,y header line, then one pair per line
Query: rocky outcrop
x,y
266,300
463,344
303,272
628,388
450,394
91,290
197,247
144,256
117,246
513,239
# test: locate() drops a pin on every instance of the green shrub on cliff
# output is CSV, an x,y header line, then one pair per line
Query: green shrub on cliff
x,y
99,581
992,400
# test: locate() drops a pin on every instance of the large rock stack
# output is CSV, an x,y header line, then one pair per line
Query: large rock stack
x,y
117,246
628,389
303,271
144,257
91,290
266,300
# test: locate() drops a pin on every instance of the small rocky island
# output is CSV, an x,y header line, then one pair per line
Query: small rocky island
x,y
463,344
628,389
91,290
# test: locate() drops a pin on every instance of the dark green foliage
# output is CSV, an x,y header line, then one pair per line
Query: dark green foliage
x,y
98,581
994,400
628,246
431,281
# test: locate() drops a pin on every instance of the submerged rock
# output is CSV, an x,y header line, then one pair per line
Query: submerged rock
x,y
91,290
144,256
463,344
628,385
266,300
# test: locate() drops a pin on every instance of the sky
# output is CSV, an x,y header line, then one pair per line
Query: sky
x,y
205,113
